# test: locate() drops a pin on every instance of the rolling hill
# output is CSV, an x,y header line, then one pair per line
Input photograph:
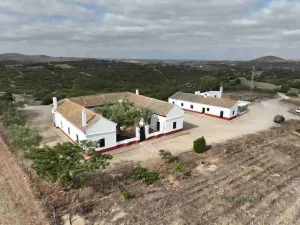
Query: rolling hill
x,y
34,58
268,59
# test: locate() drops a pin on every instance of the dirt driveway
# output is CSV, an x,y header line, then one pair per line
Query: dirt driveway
x,y
40,117
259,117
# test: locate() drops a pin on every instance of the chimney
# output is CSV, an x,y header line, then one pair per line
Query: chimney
x,y
83,115
221,91
137,91
54,103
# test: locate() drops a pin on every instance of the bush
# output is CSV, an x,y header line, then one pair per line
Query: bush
x,y
165,155
150,177
144,175
285,88
179,168
7,96
126,194
200,145
139,173
292,94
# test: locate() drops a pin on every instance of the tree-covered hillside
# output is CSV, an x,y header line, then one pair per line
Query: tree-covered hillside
x,y
97,76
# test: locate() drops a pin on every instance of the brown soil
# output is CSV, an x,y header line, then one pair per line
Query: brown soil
x,y
17,202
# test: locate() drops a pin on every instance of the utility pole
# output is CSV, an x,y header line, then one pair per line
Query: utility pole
x,y
252,79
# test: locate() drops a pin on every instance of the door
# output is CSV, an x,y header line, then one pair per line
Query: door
x,y
203,110
221,114
158,126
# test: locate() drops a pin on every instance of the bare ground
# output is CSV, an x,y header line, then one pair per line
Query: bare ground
x,y
17,202
250,180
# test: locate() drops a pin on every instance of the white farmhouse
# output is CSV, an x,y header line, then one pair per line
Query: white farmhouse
x,y
211,106
77,119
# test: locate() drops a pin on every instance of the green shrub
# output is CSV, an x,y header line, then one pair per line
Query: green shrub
x,y
150,177
200,145
144,175
179,168
165,155
126,194
292,94
285,88
139,173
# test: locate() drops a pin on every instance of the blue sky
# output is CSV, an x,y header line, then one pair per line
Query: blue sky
x,y
162,29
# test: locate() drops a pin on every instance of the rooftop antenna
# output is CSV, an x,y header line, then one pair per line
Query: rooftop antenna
x,y
252,79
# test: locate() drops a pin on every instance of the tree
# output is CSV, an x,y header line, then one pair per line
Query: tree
x,y
200,145
7,96
23,137
13,116
207,83
285,88
65,162
124,114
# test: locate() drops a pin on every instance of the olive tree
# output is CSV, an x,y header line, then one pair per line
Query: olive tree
x,y
207,83
23,137
65,162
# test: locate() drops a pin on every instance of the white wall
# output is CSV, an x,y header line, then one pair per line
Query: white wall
x,y
213,110
64,124
103,128
214,94
175,115
161,119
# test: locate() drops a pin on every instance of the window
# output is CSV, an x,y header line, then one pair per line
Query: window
x,y
77,138
181,104
192,106
174,125
61,124
102,143
233,112
207,109
69,130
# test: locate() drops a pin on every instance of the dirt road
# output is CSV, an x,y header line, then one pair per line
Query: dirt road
x,y
18,205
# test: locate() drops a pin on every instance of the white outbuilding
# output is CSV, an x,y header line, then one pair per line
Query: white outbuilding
x,y
211,106
77,119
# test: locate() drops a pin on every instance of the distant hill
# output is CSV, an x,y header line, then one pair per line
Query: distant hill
x,y
34,58
268,59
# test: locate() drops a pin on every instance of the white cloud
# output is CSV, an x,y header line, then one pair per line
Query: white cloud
x,y
152,28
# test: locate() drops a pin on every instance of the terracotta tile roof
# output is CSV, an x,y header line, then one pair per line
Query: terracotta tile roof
x,y
221,102
73,111
159,107
98,100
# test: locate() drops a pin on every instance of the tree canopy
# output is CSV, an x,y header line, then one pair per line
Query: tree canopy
x,y
66,162
207,83
124,114
23,137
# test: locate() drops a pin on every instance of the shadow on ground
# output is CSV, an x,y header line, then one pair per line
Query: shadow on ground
x,y
189,126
